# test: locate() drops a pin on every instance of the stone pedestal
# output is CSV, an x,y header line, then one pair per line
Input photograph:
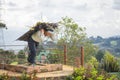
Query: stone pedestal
x,y
30,69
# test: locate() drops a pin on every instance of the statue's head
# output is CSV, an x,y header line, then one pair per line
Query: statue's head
x,y
48,28
49,33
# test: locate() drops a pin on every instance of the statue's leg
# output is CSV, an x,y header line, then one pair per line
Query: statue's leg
x,y
32,49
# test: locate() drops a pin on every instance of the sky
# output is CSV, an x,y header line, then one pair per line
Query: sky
x,y
100,17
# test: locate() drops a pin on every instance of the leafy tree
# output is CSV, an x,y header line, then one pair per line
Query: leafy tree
x,y
53,58
21,57
93,61
21,54
74,36
100,55
7,56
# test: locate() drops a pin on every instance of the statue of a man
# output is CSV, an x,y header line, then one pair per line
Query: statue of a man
x,y
35,35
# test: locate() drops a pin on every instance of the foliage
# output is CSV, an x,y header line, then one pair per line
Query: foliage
x,y
90,73
110,63
74,36
31,76
110,43
21,54
7,56
118,75
4,77
21,57
55,58
2,25
89,50
93,61
24,76
71,31
100,55
14,63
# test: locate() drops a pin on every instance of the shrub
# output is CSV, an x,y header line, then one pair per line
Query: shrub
x,y
4,77
31,76
24,76
53,58
90,73
7,56
93,61
100,55
109,63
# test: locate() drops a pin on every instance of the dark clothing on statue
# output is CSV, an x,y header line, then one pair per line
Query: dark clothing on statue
x,y
32,48
33,37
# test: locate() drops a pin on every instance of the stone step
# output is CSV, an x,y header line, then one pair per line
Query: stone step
x,y
31,69
54,75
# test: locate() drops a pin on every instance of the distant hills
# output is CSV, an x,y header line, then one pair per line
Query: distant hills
x,y
111,44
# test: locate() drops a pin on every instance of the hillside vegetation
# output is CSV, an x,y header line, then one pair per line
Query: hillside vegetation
x,y
111,44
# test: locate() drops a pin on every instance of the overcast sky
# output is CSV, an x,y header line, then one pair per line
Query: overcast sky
x,y
100,17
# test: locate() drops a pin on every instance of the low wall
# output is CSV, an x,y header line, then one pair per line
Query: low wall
x,y
30,69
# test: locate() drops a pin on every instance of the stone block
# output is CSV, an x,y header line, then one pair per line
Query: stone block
x,y
31,69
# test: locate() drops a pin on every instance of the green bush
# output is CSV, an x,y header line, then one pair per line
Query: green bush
x,y
53,58
90,73
93,61
31,76
109,63
24,76
7,56
100,55
4,77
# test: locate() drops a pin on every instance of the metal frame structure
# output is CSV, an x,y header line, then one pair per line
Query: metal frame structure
x,y
2,24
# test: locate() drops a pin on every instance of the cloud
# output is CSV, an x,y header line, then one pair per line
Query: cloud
x,y
116,4
12,4
98,16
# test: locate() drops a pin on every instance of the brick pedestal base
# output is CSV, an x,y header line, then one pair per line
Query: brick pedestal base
x,y
30,69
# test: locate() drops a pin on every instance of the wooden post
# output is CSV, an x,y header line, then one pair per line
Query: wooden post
x,y
82,56
65,54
